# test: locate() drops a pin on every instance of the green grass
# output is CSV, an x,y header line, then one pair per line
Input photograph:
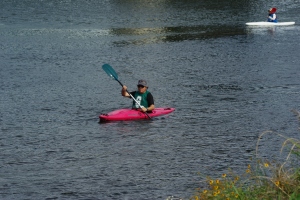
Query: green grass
x,y
266,180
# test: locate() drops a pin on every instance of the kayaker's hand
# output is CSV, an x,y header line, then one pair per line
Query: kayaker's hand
x,y
144,109
124,91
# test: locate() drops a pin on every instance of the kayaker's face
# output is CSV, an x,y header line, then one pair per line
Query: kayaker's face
x,y
142,89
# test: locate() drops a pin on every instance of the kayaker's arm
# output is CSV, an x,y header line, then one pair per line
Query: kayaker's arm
x,y
150,102
124,92
150,108
272,17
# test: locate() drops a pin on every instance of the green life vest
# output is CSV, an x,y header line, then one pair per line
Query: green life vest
x,y
141,98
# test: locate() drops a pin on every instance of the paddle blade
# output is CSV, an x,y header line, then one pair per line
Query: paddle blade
x,y
110,71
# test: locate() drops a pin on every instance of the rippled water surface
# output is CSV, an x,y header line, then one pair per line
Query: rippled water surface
x,y
228,83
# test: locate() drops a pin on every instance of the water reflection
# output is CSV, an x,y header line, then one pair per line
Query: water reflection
x,y
128,127
261,29
141,36
269,29
175,34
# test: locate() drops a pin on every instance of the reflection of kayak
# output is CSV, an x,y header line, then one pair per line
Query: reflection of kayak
x,y
270,23
130,114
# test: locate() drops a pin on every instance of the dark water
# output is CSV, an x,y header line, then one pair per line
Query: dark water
x,y
228,83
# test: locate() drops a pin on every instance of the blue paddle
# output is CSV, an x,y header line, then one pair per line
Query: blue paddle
x,y
111,72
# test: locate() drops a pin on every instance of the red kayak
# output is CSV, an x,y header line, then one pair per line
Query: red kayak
x,y
130,114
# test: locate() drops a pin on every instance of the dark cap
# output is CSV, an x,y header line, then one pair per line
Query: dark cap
x,y
143,83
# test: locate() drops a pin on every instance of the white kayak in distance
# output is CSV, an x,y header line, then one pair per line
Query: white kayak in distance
x,y
270,23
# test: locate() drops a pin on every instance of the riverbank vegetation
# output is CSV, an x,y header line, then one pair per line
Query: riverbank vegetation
x,y
265,179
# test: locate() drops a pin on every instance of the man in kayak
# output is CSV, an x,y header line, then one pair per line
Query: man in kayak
x,y
142,95
272,16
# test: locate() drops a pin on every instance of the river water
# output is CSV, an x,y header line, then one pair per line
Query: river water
x,y
228,83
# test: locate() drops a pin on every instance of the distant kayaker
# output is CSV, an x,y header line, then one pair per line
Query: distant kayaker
x,y
272,16
142,95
